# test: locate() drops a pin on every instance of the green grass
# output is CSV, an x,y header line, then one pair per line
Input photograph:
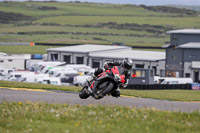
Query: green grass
x,y
24,49
40,117
37,28
178,22
175,95
30,8
82,39
12,84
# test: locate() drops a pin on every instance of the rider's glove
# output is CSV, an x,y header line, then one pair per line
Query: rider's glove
x,y
124,85
106,66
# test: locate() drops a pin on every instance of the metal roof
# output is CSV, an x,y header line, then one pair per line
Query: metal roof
x,y
2,54
166,46
184,31
86,48
190,45
15,57
133,54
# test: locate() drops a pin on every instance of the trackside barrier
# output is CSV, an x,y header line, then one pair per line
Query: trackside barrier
x,y
55,44
160,87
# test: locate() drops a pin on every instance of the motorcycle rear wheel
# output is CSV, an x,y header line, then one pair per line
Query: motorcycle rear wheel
x,y
83,93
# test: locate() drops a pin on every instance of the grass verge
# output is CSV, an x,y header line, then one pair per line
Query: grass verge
x,y
175,95
40,117
13,84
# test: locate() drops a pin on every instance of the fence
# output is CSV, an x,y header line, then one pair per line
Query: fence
x,y
160,87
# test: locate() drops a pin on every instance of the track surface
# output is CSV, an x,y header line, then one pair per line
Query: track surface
x,y
73,98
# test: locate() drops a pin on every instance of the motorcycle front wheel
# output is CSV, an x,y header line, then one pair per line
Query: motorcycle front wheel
x,y
104,88
83,93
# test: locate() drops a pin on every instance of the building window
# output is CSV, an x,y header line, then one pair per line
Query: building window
x,y
187,75
151,73
67,58
172,74
174,38
1,61
155,70
9,60
95,63
173,57
192,56
88,61
54,57
139,65
79,60
138,73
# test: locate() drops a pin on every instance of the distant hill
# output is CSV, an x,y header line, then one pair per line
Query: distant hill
x,y
7,17
194,8
169,9
75,22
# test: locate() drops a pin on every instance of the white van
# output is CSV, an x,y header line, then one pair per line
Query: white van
x,y
49,80
32,78
14,76
169,80
59,72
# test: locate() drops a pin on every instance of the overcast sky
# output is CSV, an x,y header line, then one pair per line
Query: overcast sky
x,y
145,2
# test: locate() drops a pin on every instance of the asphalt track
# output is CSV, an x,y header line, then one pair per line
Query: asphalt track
x,y
23,95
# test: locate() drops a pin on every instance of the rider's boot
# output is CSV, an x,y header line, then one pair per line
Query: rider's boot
x,y
90,79
89,90
116,93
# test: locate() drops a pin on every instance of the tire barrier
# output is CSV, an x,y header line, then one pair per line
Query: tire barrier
x,y
160,87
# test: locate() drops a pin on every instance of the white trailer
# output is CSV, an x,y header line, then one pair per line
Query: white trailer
x,y
169,80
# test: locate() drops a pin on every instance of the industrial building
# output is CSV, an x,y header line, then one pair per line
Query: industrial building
x,y
147,64
80,54
183,54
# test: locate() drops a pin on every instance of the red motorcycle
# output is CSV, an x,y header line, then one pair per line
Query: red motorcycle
x,y
105,83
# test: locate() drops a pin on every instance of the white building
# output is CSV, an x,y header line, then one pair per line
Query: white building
x,y
141,59
97,55
79,54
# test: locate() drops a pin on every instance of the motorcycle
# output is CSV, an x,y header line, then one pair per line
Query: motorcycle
x,y
105,83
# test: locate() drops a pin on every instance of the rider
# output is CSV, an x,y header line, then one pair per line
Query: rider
x,y
124,68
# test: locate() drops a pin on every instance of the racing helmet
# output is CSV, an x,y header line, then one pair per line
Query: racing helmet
x,y
127,63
